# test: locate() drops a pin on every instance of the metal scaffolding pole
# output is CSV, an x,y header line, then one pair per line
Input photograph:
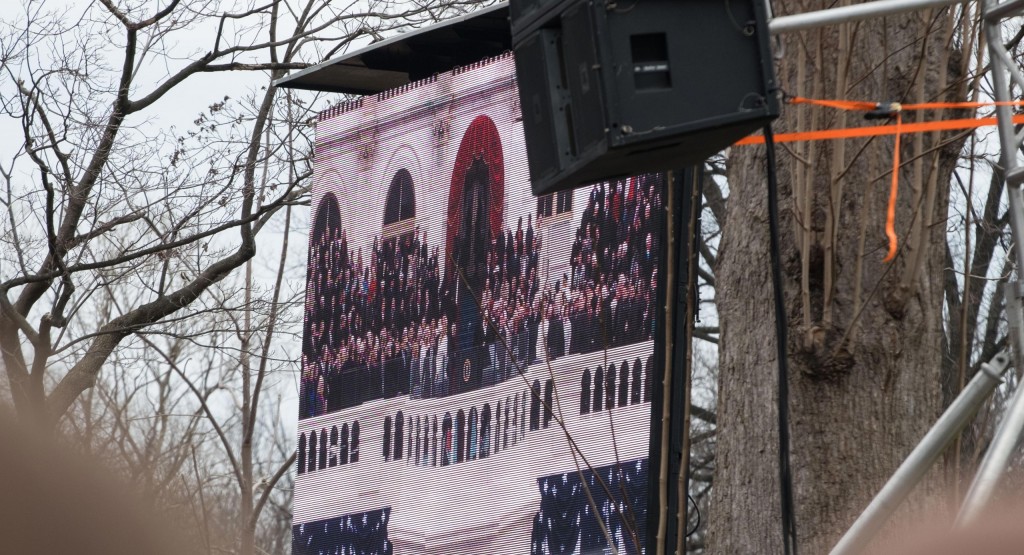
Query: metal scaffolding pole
x,y
855,12
1009,431
917,463
1005,439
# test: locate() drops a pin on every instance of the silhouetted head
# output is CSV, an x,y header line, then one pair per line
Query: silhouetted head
x,y
55,500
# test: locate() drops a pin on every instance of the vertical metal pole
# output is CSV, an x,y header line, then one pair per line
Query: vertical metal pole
x,y
1005,439
921,458
850,13
1007,138
687,264
1015,324
662,541
1009,431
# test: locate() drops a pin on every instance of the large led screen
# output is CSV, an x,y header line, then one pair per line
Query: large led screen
x,y
477,362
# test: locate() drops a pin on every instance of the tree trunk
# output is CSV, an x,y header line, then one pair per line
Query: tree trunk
x,y
864,388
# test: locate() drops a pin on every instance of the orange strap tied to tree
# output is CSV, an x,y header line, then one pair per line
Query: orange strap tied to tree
x,y
887,110
868,106
837,104
890,213
876,130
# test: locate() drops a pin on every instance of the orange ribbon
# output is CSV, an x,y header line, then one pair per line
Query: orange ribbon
x,y
890,215
877,130
868,106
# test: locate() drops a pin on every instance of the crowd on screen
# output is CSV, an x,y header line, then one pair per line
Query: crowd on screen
x,y
608,297
363,313
384,323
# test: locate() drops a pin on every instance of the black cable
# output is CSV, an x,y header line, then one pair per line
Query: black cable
x,y
785,475
697,238
696,508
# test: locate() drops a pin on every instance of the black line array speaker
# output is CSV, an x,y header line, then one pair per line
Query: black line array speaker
x,y
621,87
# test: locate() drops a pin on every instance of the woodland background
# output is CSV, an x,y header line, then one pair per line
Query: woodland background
x,y
154,191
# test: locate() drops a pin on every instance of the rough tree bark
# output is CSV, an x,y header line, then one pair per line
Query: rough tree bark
x,y
864,336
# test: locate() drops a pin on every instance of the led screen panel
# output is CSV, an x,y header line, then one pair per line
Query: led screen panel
x,y
478,364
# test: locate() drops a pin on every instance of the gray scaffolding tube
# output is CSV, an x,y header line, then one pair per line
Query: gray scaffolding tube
x,y
1009,431
855,12
1006,436
921,458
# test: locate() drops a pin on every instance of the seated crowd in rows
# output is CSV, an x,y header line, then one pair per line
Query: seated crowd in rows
x,y
384,324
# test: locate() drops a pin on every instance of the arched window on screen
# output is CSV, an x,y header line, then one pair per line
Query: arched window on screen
x,y
425,456
387,438
400,204
598,390
426,440
460,436
522,416
609,387
343,445
647,378
535,406
399,435
433,444
419,440
637,392
302,453
311,453
399,208
471,436
485,431
497,428
624,384
506,436
447,440
549,388
585,392
353,443
332,458
322,461
408,441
